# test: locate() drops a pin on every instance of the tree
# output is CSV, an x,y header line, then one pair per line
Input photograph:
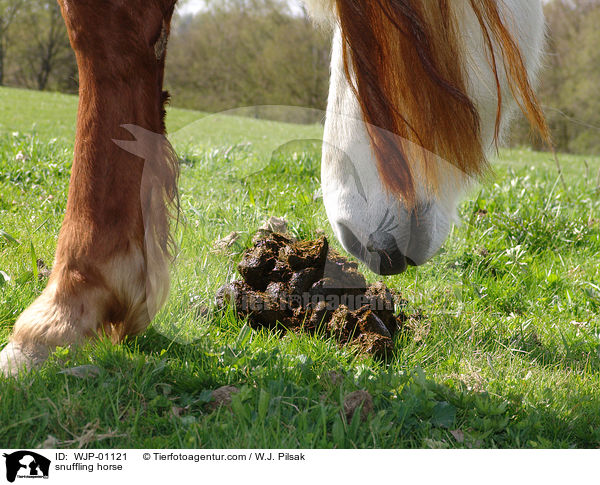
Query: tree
x,y
246,53
41,45
570,82
8,13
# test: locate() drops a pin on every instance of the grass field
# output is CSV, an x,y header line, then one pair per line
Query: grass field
x,y
508,354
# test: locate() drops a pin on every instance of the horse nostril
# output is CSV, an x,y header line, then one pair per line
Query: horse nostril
x,y
388,261
381,254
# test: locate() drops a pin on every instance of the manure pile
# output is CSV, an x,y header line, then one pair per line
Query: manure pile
x,y
307,286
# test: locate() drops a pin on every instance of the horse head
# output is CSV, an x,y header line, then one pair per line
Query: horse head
x,y
420,94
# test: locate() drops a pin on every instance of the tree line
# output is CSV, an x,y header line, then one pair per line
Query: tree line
x,y
570,81
248,53
237,53
34,46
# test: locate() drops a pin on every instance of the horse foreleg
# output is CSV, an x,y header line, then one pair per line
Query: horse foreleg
x,y
110,274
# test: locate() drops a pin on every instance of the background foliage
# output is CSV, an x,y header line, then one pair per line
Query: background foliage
x,y
237,53
570,83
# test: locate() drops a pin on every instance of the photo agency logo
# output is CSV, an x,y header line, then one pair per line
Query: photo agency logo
x,y
26,464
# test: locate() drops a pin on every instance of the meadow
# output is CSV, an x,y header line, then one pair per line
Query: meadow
x,y
506,354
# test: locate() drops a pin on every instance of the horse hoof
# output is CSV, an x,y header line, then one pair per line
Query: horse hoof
x,y
15,359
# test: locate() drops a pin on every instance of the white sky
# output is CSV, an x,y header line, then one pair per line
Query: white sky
x,y
192,6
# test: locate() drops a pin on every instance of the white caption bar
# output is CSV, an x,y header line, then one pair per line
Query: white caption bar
x,y
296,466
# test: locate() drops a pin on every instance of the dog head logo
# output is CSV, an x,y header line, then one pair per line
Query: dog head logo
x,y
26,464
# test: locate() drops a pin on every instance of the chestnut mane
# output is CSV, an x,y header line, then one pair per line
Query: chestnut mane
x,y
406,63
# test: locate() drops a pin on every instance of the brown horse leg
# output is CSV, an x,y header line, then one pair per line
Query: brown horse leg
x,y
111,268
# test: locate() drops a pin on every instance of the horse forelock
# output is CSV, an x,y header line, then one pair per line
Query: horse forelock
x,y
406,61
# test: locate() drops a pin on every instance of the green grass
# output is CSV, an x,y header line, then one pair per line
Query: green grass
x,y
508,354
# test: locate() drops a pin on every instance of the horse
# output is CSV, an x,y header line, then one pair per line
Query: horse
x,y
421,93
